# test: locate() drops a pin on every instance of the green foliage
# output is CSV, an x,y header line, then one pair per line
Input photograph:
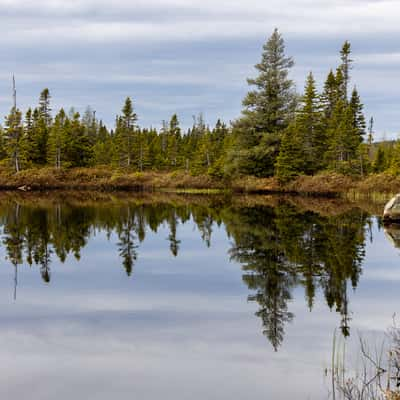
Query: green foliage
x,y
383,159
279,132
125,134
280,248
268,111
14,139
310,133
57,140
290,162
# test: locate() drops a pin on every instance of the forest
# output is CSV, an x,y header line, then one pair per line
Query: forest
x,y
280,133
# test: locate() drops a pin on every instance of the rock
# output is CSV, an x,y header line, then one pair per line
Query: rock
x,y
24,188
392,232
391,211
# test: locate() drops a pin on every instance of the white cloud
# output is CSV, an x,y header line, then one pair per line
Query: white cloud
x,y
200,43
155,20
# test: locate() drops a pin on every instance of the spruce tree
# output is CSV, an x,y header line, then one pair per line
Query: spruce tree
x,y
310,130
79,152
125,134
44,106
380,162
204,155
14,139
173,142
329,95
343,139
57,140
141,149
29,131
357,112
345,66
290,161
268,110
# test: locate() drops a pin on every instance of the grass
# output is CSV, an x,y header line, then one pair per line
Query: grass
x,y
377,374
379,187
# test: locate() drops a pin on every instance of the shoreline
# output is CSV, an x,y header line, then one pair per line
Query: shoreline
x,y
379,187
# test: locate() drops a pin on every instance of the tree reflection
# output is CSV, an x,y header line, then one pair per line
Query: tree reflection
x,y
126,244
279,247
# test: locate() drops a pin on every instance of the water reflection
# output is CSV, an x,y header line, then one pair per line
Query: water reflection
x,y
279,246
392,232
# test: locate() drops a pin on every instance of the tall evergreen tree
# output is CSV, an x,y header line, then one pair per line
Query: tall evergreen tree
x,y
290,162
268,110
44,106
173,142
14,139
356,108
125,133
345,66
79,152
58,140
309,125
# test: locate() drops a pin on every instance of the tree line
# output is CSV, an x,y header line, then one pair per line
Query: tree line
x,y
71,140
279,132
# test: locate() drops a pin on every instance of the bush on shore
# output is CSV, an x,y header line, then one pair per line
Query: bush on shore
x,y
102,178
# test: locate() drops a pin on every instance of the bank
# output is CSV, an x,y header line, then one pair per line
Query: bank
x,y
376,186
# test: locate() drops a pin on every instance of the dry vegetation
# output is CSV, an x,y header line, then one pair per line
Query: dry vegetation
x,y
379,186
103,179
377,375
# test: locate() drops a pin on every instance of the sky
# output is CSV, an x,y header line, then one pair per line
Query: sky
x,y
190,56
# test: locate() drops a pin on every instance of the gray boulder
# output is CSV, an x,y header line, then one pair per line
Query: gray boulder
x,y
392,232
391,211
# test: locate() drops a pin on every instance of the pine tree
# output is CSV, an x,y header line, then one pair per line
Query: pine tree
x,y
154,150
44,106
14,139
269,106
90,123
358,116
221,143
204,155
173,142
29,132
41,124
103,148
345,66
125,134
141,149
79,152
380,162
310,130
343,139
290,161
57,140
330,95
268,110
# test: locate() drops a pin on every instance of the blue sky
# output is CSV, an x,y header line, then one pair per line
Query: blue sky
x,y
190,56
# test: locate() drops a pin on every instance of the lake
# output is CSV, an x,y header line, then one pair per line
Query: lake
x,y
187,297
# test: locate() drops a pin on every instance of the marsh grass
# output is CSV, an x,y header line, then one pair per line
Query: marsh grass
x,y
376,375
378,188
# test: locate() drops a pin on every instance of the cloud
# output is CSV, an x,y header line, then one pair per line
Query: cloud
x,y
188,56
159,21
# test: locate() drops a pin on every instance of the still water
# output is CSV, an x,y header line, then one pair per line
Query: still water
x,y
185,297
